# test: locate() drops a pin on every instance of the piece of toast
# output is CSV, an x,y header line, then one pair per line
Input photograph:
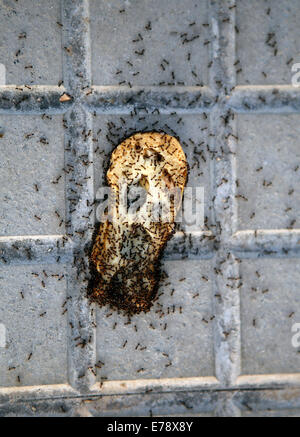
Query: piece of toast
x,y
126,252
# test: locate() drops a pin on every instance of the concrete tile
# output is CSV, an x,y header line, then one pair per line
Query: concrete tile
x,y
31,44
258,50
113,33
187,339
32,153
27,331
268,152
275,307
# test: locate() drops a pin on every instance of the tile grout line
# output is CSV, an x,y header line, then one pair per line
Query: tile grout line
x,y
121,99
227,341
35,248
79,191
281,242
276,382
38,100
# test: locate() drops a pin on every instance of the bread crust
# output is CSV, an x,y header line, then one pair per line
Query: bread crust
x,y
126,252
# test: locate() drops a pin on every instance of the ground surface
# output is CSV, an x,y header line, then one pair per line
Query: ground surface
x,y
217,75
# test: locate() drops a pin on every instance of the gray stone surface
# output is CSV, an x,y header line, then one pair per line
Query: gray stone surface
x,y
157,342
36,330
113,34
245,119
270,305
268,171
265,59
276,413
33,160
31,42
